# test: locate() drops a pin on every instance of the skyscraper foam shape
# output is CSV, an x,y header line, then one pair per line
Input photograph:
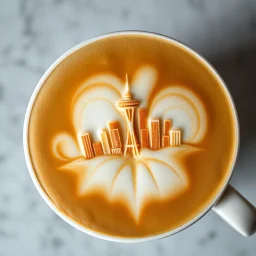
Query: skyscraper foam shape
x,y
157,172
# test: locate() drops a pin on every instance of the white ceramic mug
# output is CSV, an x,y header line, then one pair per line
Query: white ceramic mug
x,y
229,204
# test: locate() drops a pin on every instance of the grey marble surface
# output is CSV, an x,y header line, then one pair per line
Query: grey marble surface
x,y
34,33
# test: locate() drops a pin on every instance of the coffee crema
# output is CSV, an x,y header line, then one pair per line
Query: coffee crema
x,y
132,136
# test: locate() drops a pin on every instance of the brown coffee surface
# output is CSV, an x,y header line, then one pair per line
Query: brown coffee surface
x,y
207,169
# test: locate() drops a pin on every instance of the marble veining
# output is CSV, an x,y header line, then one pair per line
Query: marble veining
x,y
36,32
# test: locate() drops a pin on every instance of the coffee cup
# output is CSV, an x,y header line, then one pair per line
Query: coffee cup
x,y
148,126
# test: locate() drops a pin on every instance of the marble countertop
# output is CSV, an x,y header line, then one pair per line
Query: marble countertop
x,y
35,32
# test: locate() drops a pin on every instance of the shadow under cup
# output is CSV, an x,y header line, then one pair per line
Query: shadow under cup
x,y
163,189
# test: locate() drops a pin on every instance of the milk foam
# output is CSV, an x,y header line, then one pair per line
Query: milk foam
x,y
155,174
183,106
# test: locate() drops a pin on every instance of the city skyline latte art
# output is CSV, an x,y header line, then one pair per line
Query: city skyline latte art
x,y
131,143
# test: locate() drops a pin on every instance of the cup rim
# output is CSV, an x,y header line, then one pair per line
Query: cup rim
x,y
36,182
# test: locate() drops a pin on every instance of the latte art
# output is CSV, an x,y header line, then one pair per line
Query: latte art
x,y
134,141
146,173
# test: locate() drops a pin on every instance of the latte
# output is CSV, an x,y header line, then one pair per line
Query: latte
x,y
132,135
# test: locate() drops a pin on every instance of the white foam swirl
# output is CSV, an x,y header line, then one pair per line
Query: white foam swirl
x,y
185,108
65,147
143,84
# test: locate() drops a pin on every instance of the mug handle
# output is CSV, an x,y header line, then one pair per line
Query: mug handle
x,y
239,213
